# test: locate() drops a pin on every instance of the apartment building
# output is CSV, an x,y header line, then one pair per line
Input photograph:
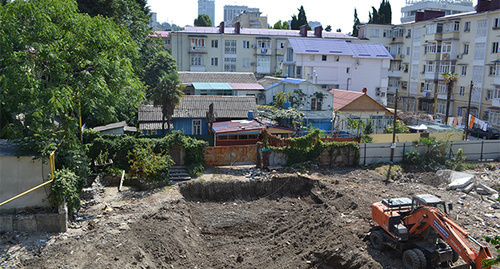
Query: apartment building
x,y
231,11
450,7
207,7
466,44
337,64
236,49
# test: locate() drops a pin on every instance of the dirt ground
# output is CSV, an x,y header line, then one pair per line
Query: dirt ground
x,y
242,217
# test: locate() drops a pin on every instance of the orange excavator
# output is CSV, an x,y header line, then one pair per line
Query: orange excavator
x,y
423,232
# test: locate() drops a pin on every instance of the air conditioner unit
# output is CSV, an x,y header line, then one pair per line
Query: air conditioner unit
x,y
253,46
377,92
459,56
252,63
402,55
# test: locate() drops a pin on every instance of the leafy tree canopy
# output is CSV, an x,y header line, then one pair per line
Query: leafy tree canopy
x,y
299,20
328,28
281,25
203,20
55,61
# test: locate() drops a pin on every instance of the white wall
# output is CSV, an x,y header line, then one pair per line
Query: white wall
x,y
18,175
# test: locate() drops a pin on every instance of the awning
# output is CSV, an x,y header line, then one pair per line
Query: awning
x,y
211,86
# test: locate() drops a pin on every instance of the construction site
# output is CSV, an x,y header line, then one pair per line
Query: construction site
x,y
245,217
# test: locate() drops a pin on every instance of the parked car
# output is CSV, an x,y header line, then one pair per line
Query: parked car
x,y
489,134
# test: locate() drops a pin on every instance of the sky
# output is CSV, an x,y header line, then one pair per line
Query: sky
x,y
337,13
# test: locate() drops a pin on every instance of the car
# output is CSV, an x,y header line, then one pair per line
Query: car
x,y
489,134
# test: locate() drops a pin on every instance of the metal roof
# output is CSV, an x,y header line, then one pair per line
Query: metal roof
x,y
237,126
211,86
221,77
339,47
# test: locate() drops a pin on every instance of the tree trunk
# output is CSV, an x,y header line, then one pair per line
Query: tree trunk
x,y
448,97
163,125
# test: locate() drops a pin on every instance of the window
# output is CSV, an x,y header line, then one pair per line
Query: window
x,y
311,57
246,44
467,26
432,47
494,47
461,91
230,46
374,33
197,42
246,62
496,23
215,43
299,71
197,60
316,103
229,64
441,107
466,48
281,44
347,70
264,44
323,58
464,70
493,70
482,28
167,42
408,34
151,132
452,27
430,67
196,127
214,61
407,51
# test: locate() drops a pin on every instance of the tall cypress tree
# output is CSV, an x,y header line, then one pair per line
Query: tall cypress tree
x,y
294,24
302,19
356,22
383,15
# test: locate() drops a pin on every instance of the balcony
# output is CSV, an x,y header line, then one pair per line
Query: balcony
x,y
394,73
197,49
398,57
495,102
433,56
432,75
451,35
496,80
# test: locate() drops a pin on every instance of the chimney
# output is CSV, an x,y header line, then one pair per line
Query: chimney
x,y
303,30
495,4
364,90
237,27
318,31
483,5
428,15
221,27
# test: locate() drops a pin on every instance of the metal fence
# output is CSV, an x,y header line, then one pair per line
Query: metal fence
x,y
474,150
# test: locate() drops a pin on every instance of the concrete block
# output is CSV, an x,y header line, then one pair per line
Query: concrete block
x,y
468,188
6,223
460,180
25,223
483,189
51,223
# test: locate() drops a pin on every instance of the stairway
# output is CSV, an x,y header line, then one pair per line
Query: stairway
x,y
178,173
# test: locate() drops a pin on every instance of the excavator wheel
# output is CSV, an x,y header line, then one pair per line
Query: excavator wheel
x,y
377,239
411,260
421,257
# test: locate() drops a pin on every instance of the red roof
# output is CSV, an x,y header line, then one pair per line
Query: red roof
x,y
163,34
342,98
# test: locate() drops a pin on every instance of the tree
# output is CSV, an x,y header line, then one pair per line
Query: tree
x,y
203,20
449,77
281,25
168,94
328,28
356,23
57,64
298,21
338,30
381,16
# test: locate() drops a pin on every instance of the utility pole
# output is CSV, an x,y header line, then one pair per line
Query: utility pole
x,y
393,146
466,129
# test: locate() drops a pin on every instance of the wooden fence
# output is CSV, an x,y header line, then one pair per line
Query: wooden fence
x,y
230,155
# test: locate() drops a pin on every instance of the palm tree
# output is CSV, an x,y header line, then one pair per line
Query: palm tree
x,y
168,94
449,77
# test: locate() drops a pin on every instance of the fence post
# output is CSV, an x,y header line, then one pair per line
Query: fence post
x,y
404,151
482,145
364,157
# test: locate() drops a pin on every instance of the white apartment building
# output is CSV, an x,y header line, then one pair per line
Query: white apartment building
x,y
449,7
207,7
227,49
466,44
337,64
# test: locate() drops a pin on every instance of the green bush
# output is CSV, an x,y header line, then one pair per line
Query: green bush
x,y
149,166
67,187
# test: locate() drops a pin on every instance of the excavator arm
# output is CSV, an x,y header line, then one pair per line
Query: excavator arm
x,y
453,234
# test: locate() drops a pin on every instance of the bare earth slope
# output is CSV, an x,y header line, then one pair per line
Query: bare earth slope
x,y
232,219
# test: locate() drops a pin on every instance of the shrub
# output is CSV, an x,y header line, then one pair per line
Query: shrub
x,y
67,187
149,166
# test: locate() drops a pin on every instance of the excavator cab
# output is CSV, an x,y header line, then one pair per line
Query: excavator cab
x,y
422,200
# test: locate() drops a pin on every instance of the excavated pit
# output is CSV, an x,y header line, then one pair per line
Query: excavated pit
x,y
290,222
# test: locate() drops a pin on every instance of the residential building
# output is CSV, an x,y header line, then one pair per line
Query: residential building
x,y
315,102
339,64
465,43
223,49
237,132
165,36
117,128
357,105
449,7
250,19
220,83
207,7
231,11
190,116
